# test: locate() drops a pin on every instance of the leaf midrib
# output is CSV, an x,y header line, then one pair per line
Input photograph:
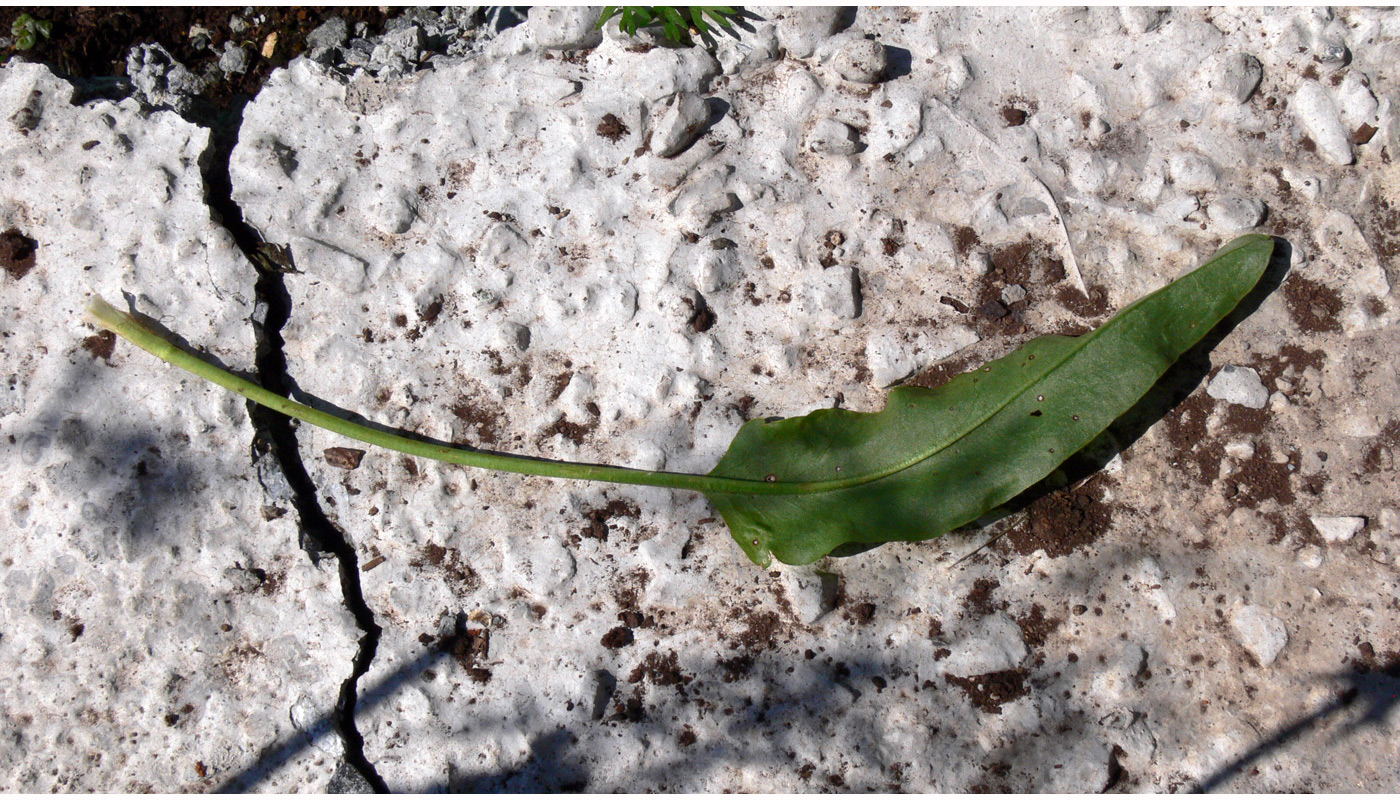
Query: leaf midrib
x,y
839,484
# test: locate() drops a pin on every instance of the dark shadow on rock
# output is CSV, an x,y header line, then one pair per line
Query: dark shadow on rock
x,y
1370,693
278,755
900,63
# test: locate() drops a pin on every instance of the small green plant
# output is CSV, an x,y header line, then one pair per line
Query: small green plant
x,y
27,31
678,23
932,461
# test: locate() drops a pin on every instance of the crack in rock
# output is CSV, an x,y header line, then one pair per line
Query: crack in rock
x,y
275,451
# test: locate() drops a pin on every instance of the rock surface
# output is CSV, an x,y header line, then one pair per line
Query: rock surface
x,y
524,275
161,629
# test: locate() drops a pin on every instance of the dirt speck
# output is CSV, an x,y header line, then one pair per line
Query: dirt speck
x,y
1035,627
979,602
101,345
346,458
660,671
17,253
612,128
991,691
599,518
618,637
464,578
483,423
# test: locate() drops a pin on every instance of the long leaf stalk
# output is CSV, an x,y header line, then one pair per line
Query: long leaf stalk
x,y
129,328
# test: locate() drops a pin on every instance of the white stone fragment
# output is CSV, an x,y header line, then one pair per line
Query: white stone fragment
x,y
1320,118
1261,633
1355,101
838,291
684,116
1240,451
833,137
1192,172
803,28
803,589
1232,213
1240,386
564,27
862,61
1310,557
1013,294
1337,529
1236,76
1179,208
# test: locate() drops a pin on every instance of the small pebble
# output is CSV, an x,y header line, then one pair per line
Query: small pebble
x,y
802,29
1240,386
1261,633
1320,118
862,61
680,124
1192,172
833,137
565,27
1338,529
1232,213
1236,76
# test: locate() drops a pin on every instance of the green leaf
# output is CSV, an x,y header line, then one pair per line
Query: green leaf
x,y
608,13
934,460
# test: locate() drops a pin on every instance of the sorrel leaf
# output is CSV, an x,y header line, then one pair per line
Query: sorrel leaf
x,y
934,460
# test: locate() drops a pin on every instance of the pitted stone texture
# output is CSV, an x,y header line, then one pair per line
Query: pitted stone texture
x,y
150,582
560,290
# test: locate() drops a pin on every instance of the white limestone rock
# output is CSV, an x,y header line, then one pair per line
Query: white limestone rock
x,y
1143,19
1236,76
833,137
1232,213
1337,529
1317,111
1192,172
1261,633
837,291
994,644
1238,385
149,578
565,27
679,124
1355,102
861,60
803,28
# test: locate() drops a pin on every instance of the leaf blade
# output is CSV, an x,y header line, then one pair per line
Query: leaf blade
x,y
938,442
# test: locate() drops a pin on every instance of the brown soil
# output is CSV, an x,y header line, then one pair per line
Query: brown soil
x,y
612,128
599,518
660,671
1314,307
1062,522
101,345
17,253
991,691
